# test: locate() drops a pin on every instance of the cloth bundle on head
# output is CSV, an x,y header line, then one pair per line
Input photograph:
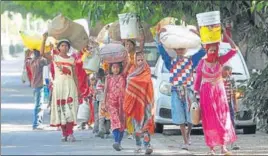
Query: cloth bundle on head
x,y
212,57
103,35
162,23
179,37
112,53
62,27
114,31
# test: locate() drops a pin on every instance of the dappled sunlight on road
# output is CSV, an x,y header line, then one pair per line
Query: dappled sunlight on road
x,y
6,128
17,106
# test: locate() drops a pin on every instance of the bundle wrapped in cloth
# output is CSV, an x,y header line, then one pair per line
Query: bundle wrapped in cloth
x,y
103,36
112,53
179,37
162,23
62,27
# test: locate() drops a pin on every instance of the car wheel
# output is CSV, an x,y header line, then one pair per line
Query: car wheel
x,y
249,130
159,128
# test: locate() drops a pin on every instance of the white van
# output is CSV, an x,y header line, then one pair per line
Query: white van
x,y
244,118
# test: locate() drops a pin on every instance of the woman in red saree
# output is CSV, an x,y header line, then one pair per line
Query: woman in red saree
x,y
139,101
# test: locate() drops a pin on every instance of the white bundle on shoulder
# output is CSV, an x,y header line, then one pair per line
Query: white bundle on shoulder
x,y
179,37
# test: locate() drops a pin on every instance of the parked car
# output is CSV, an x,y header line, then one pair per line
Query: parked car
x,y
244,118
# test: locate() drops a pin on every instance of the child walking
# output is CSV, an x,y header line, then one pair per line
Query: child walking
x,y
230,89
138,103
104,117
114,98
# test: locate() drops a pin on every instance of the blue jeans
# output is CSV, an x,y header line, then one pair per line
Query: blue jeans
x,y
38,113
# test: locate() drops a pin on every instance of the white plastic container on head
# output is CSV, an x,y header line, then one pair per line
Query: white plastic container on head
x,y
210,26
208,18
128,26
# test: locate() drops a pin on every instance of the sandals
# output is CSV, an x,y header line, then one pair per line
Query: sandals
x,y
211,152
224,151
148,150
116,146
185,147
138,149
71,138
64,139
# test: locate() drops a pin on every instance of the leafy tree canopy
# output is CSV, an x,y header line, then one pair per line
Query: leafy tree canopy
x,y
150,11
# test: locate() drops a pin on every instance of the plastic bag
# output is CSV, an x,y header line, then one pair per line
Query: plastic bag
x,y
83,111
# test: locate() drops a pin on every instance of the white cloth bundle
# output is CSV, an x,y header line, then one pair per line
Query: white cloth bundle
x,y
113,53
179,37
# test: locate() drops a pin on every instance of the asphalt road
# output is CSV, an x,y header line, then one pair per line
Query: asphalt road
x,y
17,138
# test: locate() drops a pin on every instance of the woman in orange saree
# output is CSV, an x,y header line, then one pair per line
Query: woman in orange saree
x,y
139,101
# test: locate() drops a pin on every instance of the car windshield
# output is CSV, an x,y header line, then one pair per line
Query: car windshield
x,y
235,62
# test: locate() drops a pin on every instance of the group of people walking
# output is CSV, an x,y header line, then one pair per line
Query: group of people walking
x,y
123,96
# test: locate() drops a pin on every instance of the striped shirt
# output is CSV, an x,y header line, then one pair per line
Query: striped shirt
x,y
229,88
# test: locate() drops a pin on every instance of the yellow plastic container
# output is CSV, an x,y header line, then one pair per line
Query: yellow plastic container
x,y
210,34
210,26
33,41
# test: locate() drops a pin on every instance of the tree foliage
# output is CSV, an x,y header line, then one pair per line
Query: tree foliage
x,y
107,11
256,96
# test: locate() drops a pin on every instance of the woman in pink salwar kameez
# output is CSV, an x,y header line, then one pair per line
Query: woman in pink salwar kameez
x,y
215,114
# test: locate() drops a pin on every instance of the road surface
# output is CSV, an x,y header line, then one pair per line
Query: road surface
x,y
17,137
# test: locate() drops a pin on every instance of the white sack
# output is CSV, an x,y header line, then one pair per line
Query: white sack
x,y
179,37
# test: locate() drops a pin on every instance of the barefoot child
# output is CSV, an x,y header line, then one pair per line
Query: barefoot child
x,y
114,98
